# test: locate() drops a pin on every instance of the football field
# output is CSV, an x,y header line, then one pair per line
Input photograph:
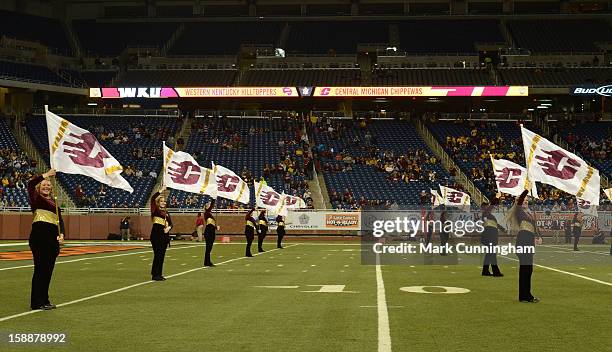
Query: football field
x,y
310,296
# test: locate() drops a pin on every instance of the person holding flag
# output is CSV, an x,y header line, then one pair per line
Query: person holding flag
x,y
576,229
280,231
160,239
249,231
520,220
490,236
209,231
262,230
45,238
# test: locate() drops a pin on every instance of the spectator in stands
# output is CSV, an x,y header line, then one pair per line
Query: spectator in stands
x,y
79,195
102,192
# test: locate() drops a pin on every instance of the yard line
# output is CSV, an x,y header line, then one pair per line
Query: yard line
x,y
128,287
571,250
14,244
384,333
565,272
100,257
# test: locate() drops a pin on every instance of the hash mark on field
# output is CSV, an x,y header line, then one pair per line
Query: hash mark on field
x,y
87,263
341,271
298,257
280,265
313,264
119,263
194,256
143,259
268,270
220,256
304,271
183,263
247,264
346,265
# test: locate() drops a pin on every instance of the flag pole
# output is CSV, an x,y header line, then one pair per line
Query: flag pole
x,y
57,213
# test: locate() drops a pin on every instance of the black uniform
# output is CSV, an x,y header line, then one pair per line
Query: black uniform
x,y
525,239
249,231
568,232
576,230
263,231
43,244
490,236
280,231
159,239
209,233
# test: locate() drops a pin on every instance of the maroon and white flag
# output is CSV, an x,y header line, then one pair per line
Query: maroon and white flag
x,y
182,172
511,177
548,163
230,185
293,202
74,150
452,197
585,207
266,197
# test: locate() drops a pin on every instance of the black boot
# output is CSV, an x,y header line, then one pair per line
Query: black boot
x,y
485,270
496,271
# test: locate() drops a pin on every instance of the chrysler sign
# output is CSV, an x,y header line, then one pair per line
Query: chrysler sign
x,y
605,91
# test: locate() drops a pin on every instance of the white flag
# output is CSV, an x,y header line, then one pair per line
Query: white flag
x,y
436,198
548,163
608,193
230,185
293,202
73,150
452,197
266,197
586,208
511,177
182,172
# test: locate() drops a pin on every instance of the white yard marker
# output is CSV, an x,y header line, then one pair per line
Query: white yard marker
x,y
93,258
565,272
384,332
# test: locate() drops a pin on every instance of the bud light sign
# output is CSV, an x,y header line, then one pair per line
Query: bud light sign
x,y
605,91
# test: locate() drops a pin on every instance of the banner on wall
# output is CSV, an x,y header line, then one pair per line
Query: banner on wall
x,y
296,92
323,220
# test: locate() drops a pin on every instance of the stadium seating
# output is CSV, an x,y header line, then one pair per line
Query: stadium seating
x,y
556,76
560,35
363,180
431,77
592,141
471,154
44,30
11,195
308,77
178,78
111,38
159,128
334,37
202,38
455,36
261,138
30,73
98,78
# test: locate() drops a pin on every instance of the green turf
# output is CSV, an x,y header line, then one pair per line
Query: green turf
x,y
221,309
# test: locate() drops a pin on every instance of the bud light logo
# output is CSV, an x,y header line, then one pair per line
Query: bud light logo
x,y
605,91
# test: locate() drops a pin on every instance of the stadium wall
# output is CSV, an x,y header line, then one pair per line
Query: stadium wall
x,y
17,226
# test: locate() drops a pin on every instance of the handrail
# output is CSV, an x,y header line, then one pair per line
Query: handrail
x,y
448,162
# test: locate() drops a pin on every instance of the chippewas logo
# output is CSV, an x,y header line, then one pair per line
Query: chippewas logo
x,y
342,221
